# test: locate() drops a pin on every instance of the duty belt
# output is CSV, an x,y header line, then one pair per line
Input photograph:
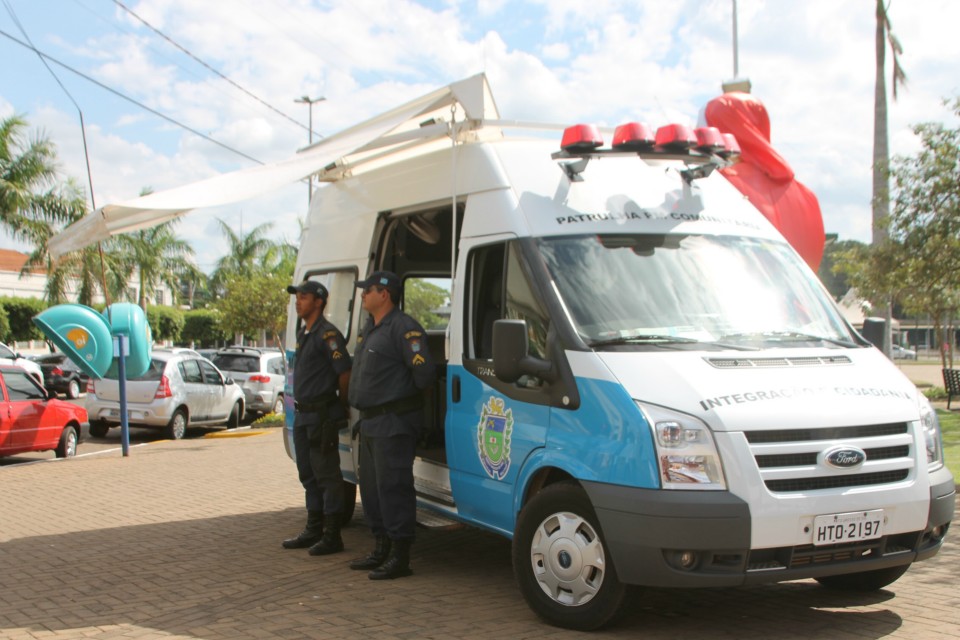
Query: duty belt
x,y
314,405
403,405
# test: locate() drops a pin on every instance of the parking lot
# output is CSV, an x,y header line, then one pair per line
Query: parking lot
x,y
182,540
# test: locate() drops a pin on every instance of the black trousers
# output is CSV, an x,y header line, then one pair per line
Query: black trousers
x,y
386,485
318,467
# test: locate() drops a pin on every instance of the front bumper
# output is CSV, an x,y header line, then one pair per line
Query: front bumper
x,y
647,530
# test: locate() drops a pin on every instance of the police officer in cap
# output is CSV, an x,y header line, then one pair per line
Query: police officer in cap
x,y
392,366
321,377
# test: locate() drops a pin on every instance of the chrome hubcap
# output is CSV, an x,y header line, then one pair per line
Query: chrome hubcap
x,y
568,559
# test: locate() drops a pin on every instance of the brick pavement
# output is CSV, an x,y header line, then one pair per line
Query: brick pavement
x,y
181,540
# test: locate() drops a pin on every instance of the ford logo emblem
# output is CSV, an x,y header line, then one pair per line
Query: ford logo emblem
x,y
844,457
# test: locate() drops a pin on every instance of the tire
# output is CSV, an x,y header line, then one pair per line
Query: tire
x,y
561,562
68,443
278,405
865,580
99,429
349,502
233,421
73,389
177,427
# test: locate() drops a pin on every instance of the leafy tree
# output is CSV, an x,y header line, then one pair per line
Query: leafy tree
x,y
835,280
420,299
926,217
256,304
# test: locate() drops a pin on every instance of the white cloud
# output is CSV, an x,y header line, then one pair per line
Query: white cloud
x,y
559,60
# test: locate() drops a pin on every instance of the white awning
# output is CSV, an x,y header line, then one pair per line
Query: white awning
x,y
472,95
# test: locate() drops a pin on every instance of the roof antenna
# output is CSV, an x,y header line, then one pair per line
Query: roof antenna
x,y
83,133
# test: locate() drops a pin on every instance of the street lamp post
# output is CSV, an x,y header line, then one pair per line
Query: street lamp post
x,y
307,100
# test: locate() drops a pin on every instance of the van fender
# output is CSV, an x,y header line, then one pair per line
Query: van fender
x,y
542,459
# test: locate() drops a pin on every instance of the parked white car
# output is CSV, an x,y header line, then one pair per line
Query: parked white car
x,y
12,357
260,372
902,353
180,390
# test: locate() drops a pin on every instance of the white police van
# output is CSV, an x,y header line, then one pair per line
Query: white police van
x,y
640,382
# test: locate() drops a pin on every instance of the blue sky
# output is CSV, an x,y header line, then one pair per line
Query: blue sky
x,y
606,61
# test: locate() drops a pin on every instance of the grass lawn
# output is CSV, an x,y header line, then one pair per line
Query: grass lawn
x,y
950,427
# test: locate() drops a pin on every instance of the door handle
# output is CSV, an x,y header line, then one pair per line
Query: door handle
x,y
455,389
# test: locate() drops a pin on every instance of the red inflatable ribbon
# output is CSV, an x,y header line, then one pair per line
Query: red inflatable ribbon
x,y
765,177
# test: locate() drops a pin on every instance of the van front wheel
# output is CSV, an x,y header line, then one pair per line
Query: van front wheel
x,y
562,564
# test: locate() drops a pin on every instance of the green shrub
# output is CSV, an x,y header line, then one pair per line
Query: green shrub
x,y
20,312
166,323
270,420
202,327
935,393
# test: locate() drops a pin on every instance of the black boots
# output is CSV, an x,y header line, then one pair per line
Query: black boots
x,y
311,533
376,558
397,564
331,542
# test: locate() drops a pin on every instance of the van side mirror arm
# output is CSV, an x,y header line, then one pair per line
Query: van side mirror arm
x,y
510,359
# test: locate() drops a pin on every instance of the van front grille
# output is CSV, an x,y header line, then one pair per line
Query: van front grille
x,y
796,460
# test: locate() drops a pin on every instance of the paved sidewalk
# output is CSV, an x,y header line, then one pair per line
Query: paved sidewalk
x,y
182,540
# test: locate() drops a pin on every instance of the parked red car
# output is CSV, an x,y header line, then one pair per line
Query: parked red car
x,y
32,421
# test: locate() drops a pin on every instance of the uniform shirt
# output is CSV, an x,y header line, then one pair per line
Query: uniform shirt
x,y
391,362
320,359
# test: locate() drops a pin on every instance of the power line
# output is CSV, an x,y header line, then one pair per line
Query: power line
x,y
128,98
207,66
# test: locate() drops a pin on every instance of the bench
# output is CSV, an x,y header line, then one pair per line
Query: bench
x,y
951,382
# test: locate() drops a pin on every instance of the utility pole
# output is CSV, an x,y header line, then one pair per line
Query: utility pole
x,y
307,100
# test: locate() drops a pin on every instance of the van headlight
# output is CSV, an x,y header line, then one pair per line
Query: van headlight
x,y
687,455
931,434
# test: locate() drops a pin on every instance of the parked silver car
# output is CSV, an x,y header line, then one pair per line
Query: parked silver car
x,y
260,372
180,390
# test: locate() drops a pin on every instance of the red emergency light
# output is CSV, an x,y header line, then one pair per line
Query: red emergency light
x,y
731,144
633,136
710,140
580,138
678,137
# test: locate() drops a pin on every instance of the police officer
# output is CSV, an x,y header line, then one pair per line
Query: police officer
x,y
320,371
392,367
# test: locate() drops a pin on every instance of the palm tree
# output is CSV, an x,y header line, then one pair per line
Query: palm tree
x,y
881,150
30,193
247,254
881,146
158,256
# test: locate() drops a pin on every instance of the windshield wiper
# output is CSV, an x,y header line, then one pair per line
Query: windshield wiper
x,y
642,339
777,336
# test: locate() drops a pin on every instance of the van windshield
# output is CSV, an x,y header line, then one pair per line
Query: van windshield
x,y
669,290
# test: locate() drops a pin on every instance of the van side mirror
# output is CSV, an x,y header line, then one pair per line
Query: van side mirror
x,y
510,359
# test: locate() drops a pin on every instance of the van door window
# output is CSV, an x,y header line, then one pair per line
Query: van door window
x,y
492,266
486,299
522,304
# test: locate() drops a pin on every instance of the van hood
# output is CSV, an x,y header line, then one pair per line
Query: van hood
x,y
770,389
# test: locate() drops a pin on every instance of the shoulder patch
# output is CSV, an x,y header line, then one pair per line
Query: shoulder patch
x,y
412,334
329,334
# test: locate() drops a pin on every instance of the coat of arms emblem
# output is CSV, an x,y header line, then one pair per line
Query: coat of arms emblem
x,y
493,438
